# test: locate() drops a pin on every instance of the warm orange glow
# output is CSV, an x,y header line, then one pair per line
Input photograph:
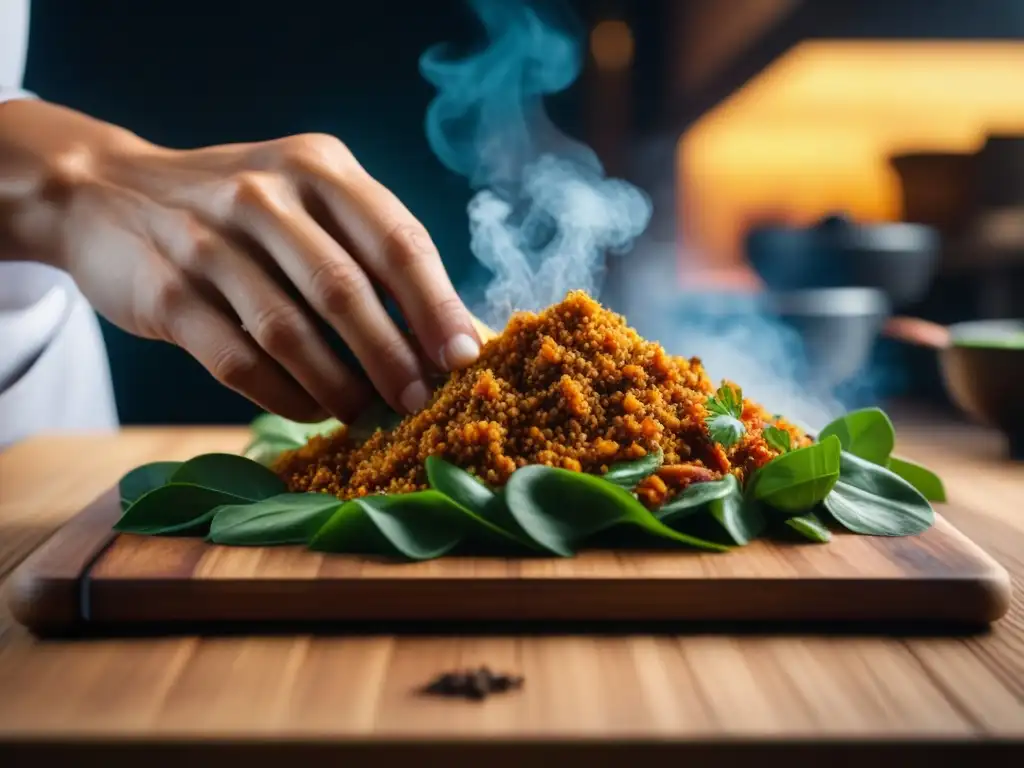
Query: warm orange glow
x,y
611,44
814,131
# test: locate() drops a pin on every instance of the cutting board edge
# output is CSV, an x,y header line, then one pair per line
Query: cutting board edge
x,y
44,592
48,592
970,600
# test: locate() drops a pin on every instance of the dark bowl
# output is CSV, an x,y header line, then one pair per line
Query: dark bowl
x,y
984,379
899,259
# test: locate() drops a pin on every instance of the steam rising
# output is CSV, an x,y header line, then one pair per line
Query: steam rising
x,y
732,335
545,215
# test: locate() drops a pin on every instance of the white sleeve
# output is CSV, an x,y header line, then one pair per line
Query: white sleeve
x,y
13,48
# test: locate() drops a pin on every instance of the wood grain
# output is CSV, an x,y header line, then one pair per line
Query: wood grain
x,y
622,696
86,575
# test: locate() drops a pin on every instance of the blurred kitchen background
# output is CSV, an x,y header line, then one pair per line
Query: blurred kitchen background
x,y
815,166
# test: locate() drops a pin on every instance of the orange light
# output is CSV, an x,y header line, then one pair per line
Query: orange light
x,y
611,45
813,132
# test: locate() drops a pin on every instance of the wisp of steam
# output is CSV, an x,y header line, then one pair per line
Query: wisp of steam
x,y
544,216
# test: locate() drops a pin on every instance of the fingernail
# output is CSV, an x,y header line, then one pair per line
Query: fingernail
x,y
460,351
414,397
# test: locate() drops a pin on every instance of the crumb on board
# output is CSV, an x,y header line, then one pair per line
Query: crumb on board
x,y
571,387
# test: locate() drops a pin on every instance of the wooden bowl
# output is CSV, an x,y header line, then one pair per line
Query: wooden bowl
x,y
981,368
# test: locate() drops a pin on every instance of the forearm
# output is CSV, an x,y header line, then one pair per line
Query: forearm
x,y
46,151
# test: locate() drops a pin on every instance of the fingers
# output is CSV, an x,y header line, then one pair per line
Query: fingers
x,y
396,249
336,287
276,324
220,346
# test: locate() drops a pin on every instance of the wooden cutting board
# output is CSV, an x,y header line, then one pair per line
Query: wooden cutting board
x,y
88,575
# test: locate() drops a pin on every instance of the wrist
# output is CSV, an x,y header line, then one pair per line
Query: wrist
x,y
49,157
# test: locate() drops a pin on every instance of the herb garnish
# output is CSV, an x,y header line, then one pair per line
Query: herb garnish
x,y
725,408
777,438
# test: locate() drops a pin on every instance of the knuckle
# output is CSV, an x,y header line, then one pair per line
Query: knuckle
x,y
258,190
170,298
278,328
202,247
233,366
395,357
446,307
338,287
407,246
313,152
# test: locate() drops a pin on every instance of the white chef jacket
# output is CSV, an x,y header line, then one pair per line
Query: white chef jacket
x,y
54,372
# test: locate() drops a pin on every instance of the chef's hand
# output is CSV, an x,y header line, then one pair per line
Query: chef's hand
x,y
195,247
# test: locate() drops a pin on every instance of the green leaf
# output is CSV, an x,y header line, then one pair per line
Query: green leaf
x,y
723,500
867,433
290,518
476,499
273,435
175,509
627,474
742,519
419,526
924,480
267,452
726,402
777,438
725,430
810,526
144,479
725,409
273,428
796,481
871,500
236,475
694,498
559,509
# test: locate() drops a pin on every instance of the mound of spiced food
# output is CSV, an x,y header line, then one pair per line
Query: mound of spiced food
x,y
571,387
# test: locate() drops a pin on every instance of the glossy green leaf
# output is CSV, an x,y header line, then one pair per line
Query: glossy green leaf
x,y
810,526
924,480
560,509
742,519
796,481
477,499
777,438
871,500
694,498
419,526
291,518
266,452
721,499
867,433
627,474
227,472
175,509
273,428
144,479
272,435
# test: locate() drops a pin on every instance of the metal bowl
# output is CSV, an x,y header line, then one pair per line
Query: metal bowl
x,y
839,328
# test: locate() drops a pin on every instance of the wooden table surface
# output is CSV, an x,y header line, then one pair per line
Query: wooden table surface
x,y
616,695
